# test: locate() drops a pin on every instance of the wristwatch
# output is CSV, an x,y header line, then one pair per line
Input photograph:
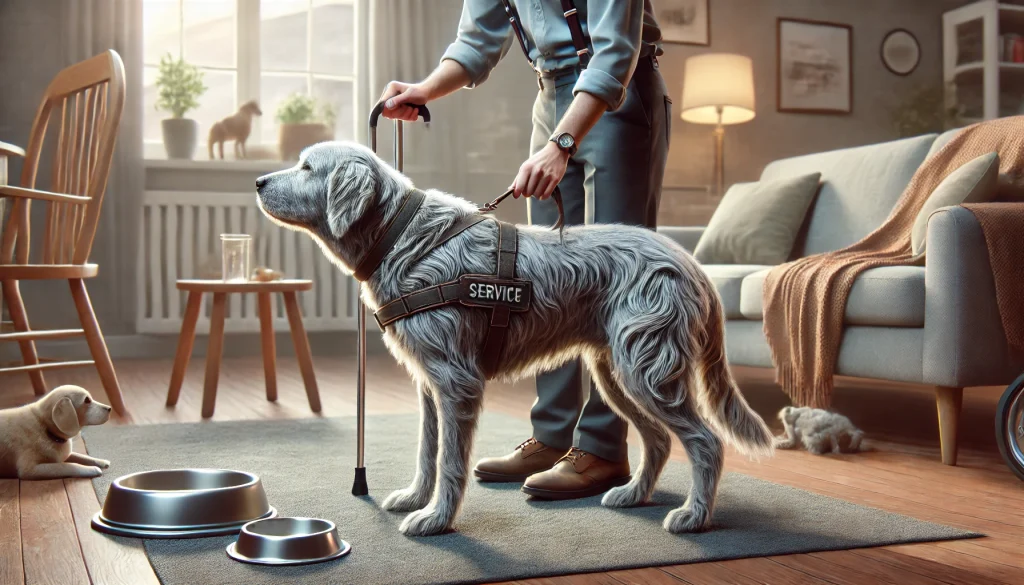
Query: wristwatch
x,y
566,142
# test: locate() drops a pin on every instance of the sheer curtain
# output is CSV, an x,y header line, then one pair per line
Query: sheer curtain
x,y
90,27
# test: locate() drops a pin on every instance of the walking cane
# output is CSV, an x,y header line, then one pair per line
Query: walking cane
x,y
359,485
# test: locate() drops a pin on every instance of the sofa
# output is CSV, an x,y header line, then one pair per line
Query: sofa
x,y
936,324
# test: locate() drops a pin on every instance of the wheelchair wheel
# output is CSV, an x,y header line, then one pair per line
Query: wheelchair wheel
x,y
1010,426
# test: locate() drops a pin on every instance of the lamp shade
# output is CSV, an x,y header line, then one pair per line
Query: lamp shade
x,y
716,81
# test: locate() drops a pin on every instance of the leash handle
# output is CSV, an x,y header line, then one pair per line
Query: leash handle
x,y
556,195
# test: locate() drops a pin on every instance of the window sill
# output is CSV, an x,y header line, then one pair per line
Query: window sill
x,y
257,166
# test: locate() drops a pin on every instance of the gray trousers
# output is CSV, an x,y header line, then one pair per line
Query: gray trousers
x,y
614,177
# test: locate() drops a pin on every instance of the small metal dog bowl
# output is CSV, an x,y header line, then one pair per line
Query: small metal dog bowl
x,y
182,503
288,541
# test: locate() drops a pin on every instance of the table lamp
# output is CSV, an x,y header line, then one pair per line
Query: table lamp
x,y
718,88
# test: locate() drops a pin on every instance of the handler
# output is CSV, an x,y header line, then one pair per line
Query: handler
x,y
601,126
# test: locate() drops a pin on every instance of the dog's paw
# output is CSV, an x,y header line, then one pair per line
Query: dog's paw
x,y
91,472
625,496
405,500
102,464
425,522
687,519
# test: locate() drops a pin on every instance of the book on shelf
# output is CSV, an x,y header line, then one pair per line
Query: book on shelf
x,y
1011,48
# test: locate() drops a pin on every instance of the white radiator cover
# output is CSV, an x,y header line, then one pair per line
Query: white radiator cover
x,y
180,239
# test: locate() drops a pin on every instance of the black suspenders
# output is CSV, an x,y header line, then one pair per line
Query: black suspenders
x,y
572,18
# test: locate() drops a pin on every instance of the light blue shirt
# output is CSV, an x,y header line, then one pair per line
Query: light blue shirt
x,y
620,32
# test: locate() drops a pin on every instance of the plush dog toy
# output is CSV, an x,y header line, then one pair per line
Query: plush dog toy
x,y
236,127
35,439
819,431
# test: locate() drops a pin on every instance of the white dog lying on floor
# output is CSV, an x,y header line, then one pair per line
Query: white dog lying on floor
x,y
819,431
35,439
632,303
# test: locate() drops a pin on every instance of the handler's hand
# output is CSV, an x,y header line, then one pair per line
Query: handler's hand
x,y
397,94
541,173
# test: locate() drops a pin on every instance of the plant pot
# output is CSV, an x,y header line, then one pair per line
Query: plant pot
x,y
180,137
292,138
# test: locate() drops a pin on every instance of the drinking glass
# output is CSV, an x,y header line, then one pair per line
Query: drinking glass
x,y
236,249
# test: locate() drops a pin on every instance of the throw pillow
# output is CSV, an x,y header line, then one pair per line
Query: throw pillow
x,y
973,182
757,223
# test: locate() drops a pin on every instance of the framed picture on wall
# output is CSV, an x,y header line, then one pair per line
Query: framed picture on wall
x,y
815,67
686,22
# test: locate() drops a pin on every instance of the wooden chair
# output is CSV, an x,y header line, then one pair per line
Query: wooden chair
x,y
87,99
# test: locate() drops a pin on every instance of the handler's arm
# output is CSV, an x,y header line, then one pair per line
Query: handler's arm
x,y
484,37
615,28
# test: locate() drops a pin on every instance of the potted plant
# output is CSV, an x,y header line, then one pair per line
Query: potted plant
x,y
304,121
180,86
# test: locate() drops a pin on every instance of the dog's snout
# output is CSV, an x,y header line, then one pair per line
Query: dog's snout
x,y
260,182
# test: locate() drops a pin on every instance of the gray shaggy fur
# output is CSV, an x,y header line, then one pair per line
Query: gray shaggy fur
x,y
819,431
634,305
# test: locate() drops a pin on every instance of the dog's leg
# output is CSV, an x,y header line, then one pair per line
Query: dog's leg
x,y
707,456
418,494
656,441
241,144
86,460
458,397
59,471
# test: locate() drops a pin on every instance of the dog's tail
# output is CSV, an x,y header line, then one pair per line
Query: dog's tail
x,y
726,408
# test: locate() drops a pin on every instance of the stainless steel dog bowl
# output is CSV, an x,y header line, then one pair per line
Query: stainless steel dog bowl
x,y
182,503
288,541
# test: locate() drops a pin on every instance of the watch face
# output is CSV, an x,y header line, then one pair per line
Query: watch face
x,y
565,141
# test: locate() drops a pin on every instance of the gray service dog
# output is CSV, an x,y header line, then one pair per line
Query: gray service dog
x,y
635,306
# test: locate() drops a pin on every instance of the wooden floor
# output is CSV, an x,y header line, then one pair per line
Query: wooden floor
x,y
45,535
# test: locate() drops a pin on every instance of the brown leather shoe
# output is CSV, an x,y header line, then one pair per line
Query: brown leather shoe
x,y
578,474
529,458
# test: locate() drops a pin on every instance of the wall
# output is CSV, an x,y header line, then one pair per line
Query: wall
x,y
748,27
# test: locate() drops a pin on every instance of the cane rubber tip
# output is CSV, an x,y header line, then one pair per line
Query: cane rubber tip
x,y
359,485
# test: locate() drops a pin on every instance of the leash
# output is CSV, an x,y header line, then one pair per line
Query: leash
x,y
556,195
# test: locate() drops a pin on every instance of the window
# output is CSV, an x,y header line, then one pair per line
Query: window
x,y
265,50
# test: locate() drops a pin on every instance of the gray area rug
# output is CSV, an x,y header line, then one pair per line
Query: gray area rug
x,y
307,469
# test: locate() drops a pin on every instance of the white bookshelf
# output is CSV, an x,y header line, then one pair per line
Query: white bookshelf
x,y
980,77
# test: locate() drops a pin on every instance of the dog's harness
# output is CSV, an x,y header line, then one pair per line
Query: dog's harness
x,y
501,292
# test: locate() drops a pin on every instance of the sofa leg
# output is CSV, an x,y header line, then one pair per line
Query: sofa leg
x,y
948,401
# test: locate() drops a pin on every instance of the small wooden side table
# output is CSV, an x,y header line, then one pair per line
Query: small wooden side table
x,y
263,290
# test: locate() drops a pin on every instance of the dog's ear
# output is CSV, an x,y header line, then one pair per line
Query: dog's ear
x,y
65,417
351,193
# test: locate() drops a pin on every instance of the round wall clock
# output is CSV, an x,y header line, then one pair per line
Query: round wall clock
x,y
901,52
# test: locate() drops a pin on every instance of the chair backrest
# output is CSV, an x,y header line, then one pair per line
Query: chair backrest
x,y
87,99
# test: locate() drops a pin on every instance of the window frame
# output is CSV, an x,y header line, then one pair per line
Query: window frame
x,y
248,69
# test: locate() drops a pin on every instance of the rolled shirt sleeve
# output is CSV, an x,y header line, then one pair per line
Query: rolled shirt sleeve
x,y
484,37
615,28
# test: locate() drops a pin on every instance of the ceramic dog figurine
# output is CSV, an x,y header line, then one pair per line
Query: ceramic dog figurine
x,y
236,127
35,439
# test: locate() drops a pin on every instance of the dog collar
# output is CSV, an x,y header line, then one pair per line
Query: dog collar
x,y
380,248
55,438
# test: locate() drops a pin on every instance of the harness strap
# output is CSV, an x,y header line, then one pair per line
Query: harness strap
x,y
380,248
462,224
422,300
508,247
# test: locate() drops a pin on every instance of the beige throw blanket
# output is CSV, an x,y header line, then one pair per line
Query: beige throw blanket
x,y
805,300
1003,227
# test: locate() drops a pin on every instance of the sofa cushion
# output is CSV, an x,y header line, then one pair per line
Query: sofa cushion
x,y
728,279
974,182
890,296
757,223
942,139
859,188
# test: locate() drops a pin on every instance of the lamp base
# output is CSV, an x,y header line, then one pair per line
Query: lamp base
x,y
719,174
